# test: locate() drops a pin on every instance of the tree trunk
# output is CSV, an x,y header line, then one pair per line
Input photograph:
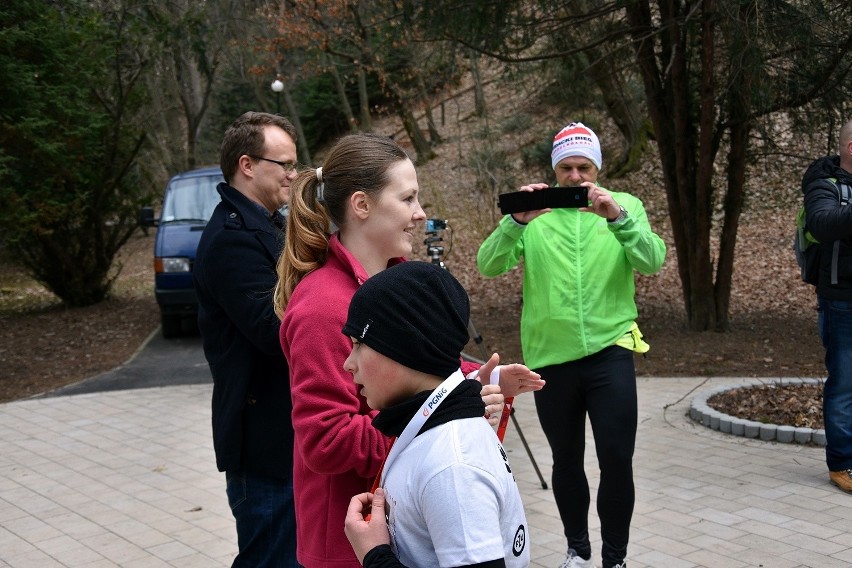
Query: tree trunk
x,y
734,200
341,93
434,135
302,146
671,105
624,110
363,64
698,158
478,91
421,146
364,101
739,111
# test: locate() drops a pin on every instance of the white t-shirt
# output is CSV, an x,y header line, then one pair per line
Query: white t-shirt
x,y
452,499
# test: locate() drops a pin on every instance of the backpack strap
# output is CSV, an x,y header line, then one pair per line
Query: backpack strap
x,y
845,195
835,258
845,191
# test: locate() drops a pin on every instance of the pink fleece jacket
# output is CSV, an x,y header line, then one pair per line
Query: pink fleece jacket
x,y
337,452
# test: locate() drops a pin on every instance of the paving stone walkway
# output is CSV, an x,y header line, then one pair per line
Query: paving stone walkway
x,y
127,478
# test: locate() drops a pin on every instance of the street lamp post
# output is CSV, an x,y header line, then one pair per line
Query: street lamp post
x,y
277,86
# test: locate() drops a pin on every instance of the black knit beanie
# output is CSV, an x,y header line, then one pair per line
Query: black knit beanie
x,y
415,313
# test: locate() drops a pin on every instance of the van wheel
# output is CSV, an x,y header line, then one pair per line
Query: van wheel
x,y
171,325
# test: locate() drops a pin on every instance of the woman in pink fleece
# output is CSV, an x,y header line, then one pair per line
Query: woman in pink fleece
x,y
368,188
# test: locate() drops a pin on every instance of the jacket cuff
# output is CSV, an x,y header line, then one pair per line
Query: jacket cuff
x,y
510,227
382,557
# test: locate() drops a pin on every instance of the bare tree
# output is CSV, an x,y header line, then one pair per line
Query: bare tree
x,y
710,70
192,40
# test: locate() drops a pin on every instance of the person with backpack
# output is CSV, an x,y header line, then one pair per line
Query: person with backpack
x,y
826,187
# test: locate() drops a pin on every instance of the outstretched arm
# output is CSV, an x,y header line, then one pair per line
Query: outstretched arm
x,y
515,378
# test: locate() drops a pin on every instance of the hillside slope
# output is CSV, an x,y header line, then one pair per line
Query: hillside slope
x,y
772,312
773,317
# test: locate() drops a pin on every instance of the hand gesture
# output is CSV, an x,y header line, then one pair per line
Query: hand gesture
x,y
601,202
494,400
527,216
365,525
516,379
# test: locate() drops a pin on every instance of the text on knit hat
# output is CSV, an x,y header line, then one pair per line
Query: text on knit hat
x,y
576,139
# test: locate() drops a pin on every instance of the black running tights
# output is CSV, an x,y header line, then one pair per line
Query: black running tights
x,y
602,385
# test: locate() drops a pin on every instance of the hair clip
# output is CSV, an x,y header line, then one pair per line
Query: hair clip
x,y
320,185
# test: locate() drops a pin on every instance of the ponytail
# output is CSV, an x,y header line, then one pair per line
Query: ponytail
x,y
306,238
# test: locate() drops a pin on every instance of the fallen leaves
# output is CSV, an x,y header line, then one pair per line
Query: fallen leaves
x,y
798,405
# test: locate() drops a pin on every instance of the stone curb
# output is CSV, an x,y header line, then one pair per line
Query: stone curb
x,y
700,412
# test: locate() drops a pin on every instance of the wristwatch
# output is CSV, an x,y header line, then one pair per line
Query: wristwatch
x,y
622,215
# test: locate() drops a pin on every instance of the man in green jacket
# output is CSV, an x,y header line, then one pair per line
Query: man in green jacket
x,y
578,330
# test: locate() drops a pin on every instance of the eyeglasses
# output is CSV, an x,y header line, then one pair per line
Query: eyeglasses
x,y
288,167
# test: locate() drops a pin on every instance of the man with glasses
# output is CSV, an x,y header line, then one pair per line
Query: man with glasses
x,y
234,278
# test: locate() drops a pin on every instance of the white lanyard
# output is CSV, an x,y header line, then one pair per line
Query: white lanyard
x,y
433,401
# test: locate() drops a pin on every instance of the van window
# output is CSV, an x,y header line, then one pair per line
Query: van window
x,y
191,199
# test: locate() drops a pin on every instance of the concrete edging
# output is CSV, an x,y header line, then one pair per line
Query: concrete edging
x,y
700,412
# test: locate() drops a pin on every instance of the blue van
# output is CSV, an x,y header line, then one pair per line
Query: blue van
x,y
188,203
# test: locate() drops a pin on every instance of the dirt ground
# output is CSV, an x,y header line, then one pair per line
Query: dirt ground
x,y
44,345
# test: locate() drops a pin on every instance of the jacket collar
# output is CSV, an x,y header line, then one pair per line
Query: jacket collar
x,y
464,402
826,167
254,217
348,261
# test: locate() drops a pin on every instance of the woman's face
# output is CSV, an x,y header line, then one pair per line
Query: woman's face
x,y
395,212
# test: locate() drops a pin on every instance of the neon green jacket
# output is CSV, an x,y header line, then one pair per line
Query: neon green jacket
x,y
578,277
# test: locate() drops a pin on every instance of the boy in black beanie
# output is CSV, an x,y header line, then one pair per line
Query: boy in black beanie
x,y
446,491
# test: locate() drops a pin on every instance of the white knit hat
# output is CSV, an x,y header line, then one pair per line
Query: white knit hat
x,y
576,139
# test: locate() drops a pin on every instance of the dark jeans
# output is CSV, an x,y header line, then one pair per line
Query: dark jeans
x,y
266,520
604,386
835,328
